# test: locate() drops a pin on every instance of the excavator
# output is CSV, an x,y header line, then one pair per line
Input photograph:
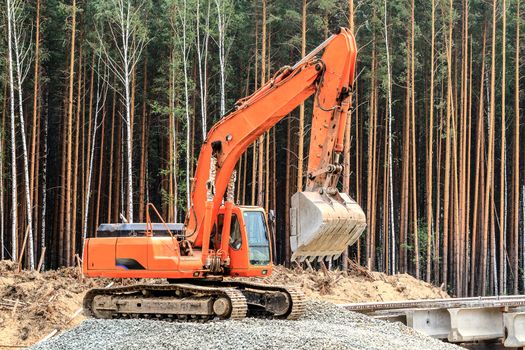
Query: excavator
x,y
206,260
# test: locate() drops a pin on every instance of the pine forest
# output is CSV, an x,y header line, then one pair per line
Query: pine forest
x,y
104,105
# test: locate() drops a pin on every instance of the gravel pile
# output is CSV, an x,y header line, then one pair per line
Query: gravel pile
x,y
324,326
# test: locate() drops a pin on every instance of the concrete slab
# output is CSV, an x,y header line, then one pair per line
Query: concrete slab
x,y
468,324
514,323
432,322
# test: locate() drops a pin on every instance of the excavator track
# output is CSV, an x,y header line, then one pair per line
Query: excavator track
x,y
199,301
171,302
259,296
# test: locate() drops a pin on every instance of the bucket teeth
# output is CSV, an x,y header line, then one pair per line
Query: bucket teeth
x,y
323,226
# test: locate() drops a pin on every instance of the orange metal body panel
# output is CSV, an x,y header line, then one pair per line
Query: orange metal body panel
x,y
133,248
159,257
155,257
103,253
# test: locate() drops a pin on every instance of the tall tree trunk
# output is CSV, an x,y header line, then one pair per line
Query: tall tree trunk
x,y
287,191
70,135
370,164
111,205
143,145
503,166
430,148
490,165
516,172
44,190
300,153
3,137
19,80
468,232
478,187
91,157
101,161
76,161
462,251
348,133
36,92
450,111
390,155
260,177
14,187
187,103
128,122
414,155
405,188
88,140
256,84
202,60
221,28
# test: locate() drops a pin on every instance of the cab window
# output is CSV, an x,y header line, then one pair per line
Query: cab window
x,y
257,234
235,233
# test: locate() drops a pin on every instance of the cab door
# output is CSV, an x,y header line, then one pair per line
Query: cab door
x,y
249,248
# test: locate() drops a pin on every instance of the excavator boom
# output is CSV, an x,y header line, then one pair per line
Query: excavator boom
x,y
324,221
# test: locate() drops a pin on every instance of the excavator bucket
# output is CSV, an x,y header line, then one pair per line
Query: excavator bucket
x,y
323,225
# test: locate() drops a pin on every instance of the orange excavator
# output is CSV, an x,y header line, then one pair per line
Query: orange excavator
x,y
220,241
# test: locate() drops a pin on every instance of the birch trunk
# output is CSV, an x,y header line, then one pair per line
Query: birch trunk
x,y
143,145
44,191
129,136
185,64
130,43
202,61
19,78
14,187
91,156
221,27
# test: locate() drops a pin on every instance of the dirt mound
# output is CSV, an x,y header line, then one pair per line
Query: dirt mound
x,y
357,285
32,305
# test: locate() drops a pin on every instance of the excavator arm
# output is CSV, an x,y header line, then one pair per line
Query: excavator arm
x,y
330,78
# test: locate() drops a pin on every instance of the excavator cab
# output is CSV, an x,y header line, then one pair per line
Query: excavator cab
x,y
249,248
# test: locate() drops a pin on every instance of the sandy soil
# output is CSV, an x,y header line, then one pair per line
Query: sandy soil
x,y
358,285
32,304
51,301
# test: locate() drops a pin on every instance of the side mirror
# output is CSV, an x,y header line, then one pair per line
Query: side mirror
x,y
271,216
